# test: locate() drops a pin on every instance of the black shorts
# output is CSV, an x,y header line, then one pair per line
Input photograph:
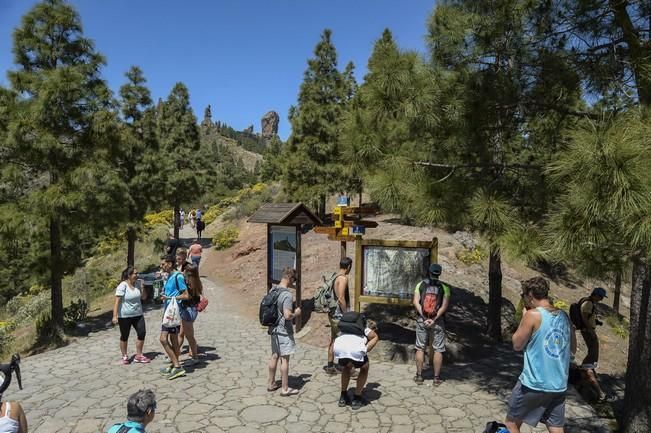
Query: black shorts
x,y
172,330
357,364
126,323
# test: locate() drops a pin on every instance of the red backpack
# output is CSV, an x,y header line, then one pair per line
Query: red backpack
x,y
431,297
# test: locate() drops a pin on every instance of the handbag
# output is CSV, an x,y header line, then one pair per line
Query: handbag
x,y
203,303
172,316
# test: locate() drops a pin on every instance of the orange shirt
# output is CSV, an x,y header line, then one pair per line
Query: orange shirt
x,y
195,250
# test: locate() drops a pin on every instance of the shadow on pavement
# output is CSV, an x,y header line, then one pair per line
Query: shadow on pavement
x,y
298,382
371,392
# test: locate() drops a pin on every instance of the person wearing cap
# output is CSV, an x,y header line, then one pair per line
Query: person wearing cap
x,y
431,301
141,409
589,332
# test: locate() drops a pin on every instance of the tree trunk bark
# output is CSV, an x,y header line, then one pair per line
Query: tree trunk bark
x,y
177,220
55,274
322,205
360,198
495,295
637,398
131,245
618,290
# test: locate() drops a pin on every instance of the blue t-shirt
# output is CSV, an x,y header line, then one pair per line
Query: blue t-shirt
x,y
174,286
547,355
134,427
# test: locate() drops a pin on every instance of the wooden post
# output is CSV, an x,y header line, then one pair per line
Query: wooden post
x,y
299,322
269,264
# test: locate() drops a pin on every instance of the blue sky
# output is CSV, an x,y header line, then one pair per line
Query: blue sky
x,y
243,57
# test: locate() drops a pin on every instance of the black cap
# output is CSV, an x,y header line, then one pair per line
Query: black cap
x,y
435,269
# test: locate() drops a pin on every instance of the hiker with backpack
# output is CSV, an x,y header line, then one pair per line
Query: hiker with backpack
x,y
584,318
545,335
141,409
356,339
431,301
277,313
338,287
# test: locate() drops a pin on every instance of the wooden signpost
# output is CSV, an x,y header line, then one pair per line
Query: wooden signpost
x,y
285,223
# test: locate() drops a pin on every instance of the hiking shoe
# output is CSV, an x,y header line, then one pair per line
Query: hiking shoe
x,y
142,359
418,379
166,370
437,381
330,370
357,403
125,360
344,400
176,372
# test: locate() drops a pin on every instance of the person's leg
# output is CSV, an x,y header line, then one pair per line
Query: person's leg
x,y
284,372
438,363
555,429
125,328
592,343
421,343
176,349
361,379
273,364
334,330
345,376
141,332
192,342
438,346
182,334
513,426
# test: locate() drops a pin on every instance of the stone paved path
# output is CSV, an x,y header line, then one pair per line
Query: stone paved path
x,y
83,388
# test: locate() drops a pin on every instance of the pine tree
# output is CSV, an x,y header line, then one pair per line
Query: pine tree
x,y
138,156
311,159
178,137
64,134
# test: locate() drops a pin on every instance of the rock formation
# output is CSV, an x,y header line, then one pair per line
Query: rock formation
x,y
207,117
270,124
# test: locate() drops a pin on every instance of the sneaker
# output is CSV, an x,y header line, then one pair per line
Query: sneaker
x,y
357,403
437,381
166,370
142,359
176,372
330,370
125,360
418,379
344,400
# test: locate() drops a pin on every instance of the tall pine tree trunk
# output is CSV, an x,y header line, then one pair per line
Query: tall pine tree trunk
x,y
617,291
360,197
637,399
177,220
321,208
131,245
55,274
495,295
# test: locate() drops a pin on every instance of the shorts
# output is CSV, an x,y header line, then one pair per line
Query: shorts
x,y
283,345
334,327
357,364
138,323
531,406
172,330
436,334
195,260
188,314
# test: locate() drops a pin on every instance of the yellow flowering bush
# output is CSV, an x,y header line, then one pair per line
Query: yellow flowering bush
x,y
471,257
212,214
163,217
225,238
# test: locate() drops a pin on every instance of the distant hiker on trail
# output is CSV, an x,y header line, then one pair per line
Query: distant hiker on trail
x,y
195,251
141,409
189,313
342,295
198,214
282,334
546,336
182,218
200,226
192,216
127,313
351,347
587,323
431,301
171,245
175,287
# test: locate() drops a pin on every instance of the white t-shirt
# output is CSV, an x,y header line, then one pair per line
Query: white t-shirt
x,y
130,303
351,346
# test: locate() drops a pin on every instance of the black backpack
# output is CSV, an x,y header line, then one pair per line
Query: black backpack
x,y
352,322
575,314
269,309
495,427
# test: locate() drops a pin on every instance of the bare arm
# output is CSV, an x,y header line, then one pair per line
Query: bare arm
x,y
444,307
416,302
116,305
373,338
340,291
525,330
289,315
20,415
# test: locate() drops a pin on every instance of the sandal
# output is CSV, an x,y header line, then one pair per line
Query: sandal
x,y
276,387
290,391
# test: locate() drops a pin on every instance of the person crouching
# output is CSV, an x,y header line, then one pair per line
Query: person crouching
x,y
356,338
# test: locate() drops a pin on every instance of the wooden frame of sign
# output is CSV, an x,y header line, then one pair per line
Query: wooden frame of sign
x,y
361,245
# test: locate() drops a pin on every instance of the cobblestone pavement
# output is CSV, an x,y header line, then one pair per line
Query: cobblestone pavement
x,y
83,388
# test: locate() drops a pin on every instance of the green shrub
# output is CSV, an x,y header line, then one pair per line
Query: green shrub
x,y
225,238
619,325
27,307
74,313
6,340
